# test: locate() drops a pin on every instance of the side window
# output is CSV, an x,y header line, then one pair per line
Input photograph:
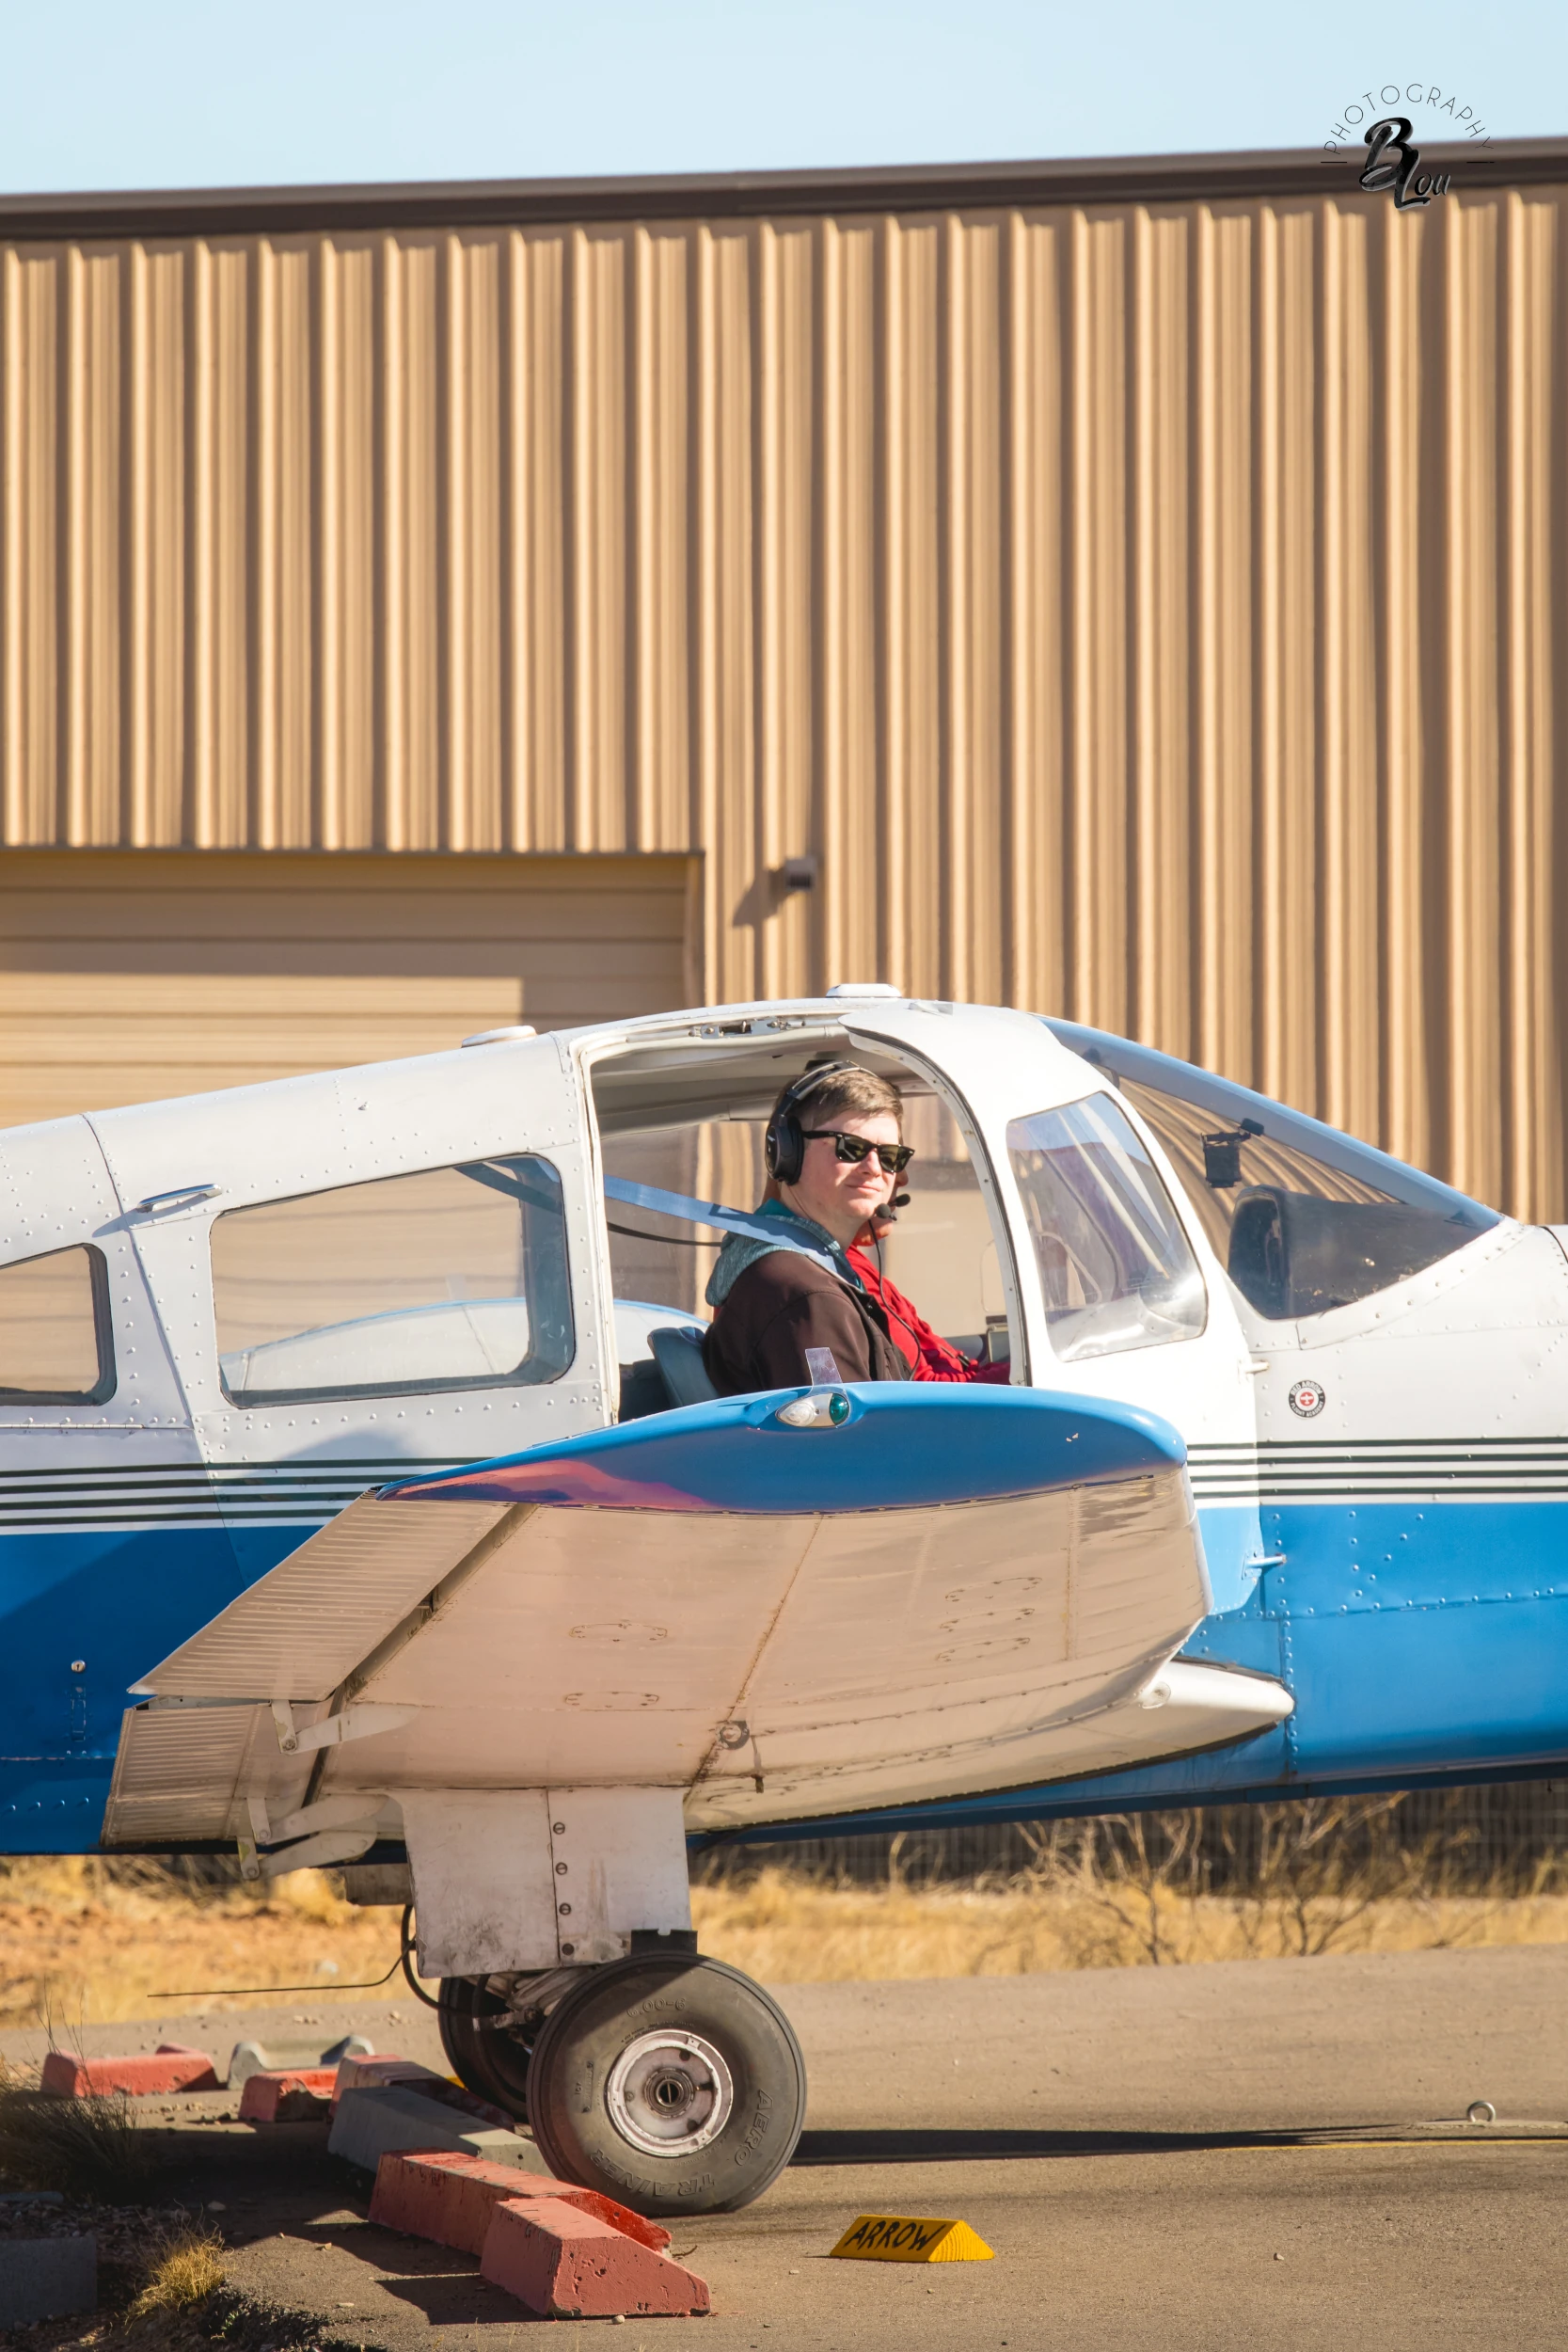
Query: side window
x,y
1116,1267
455,1277
56,1346
1302,1217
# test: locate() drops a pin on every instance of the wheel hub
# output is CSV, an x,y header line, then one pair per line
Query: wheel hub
x,y
669,2093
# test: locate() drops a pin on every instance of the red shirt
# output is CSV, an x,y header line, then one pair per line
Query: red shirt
x,y
928,1355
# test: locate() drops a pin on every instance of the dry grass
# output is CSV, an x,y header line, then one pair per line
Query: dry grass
x,y
83,1942
86,2147
184,2273
1264,1881
784,1929
87,1942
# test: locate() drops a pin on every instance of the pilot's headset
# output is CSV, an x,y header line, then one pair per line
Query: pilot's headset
x,y
785,1144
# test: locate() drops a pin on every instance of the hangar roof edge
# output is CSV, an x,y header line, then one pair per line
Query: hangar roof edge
x,y
745,195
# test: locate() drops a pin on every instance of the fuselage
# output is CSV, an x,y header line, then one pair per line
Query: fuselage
x,y
1369,1373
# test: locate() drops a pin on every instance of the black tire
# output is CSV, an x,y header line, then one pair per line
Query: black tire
x,y
604,2104
494,2066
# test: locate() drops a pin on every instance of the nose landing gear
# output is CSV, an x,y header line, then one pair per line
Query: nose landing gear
x,y
670,2082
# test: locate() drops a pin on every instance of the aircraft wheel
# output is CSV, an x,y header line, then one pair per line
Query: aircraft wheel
x,y
668,2082
492,2065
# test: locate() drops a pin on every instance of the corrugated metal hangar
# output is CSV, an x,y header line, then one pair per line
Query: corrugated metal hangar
x,y
1135,589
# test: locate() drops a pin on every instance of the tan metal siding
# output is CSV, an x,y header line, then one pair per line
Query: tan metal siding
x,y
129,975
1148,611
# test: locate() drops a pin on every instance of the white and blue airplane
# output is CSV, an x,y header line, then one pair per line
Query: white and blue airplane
x,y
365,1502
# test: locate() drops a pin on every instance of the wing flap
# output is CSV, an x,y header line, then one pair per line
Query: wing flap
x,y
301,1630
178,1772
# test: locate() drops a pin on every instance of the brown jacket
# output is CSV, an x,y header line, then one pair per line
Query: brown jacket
x,y
780,1307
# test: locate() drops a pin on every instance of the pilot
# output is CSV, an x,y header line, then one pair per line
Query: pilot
x,y
834,1151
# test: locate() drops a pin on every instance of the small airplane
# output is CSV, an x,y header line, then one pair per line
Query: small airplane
x,y
366,1502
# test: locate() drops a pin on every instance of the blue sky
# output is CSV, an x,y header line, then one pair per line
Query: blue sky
x,y
171,94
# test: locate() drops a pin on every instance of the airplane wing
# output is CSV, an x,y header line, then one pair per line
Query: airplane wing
x,y
953,1589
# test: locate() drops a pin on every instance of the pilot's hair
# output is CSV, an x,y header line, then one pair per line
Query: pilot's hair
x,y
854,1093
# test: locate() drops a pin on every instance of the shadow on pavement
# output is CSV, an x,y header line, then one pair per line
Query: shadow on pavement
x,y
932,2147
459,2299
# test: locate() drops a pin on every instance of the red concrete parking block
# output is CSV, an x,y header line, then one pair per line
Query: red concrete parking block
x,y
565,2264
450,2198
170,2068
289,2097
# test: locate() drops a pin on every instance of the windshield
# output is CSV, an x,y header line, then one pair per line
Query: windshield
x,y
1114,1265
1302,1217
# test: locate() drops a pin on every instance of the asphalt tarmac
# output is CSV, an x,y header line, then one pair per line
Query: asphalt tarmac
x,y
1246,2155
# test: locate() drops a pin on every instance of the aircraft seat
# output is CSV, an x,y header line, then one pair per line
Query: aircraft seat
x,y
679,1358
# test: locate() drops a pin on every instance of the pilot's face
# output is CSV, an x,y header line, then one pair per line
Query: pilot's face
x,y
839,1194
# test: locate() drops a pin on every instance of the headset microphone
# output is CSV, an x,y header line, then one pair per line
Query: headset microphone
x,y
888,1214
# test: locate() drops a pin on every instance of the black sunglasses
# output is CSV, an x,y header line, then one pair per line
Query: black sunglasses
x,y
895,1157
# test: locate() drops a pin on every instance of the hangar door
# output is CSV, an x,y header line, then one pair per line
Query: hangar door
x,y
126,976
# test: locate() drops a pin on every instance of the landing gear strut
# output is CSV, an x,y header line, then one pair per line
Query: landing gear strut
x,y
670,2082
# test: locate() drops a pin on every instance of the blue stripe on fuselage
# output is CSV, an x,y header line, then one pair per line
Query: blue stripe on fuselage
x,y
119,1599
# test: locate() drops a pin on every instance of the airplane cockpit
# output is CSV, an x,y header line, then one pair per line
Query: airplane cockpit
x,y
681,1137
1106,1220
1294,1219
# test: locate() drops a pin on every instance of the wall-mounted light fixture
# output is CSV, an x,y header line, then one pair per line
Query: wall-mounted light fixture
x,y
800,873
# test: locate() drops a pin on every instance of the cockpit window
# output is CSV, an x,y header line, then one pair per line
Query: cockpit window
x,y
1302,1217
1115,1265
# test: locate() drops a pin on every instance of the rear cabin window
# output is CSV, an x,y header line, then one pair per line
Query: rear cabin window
x,y
455,1277
55,1342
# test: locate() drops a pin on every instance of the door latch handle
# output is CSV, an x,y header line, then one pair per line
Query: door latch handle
x,y
187,1195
